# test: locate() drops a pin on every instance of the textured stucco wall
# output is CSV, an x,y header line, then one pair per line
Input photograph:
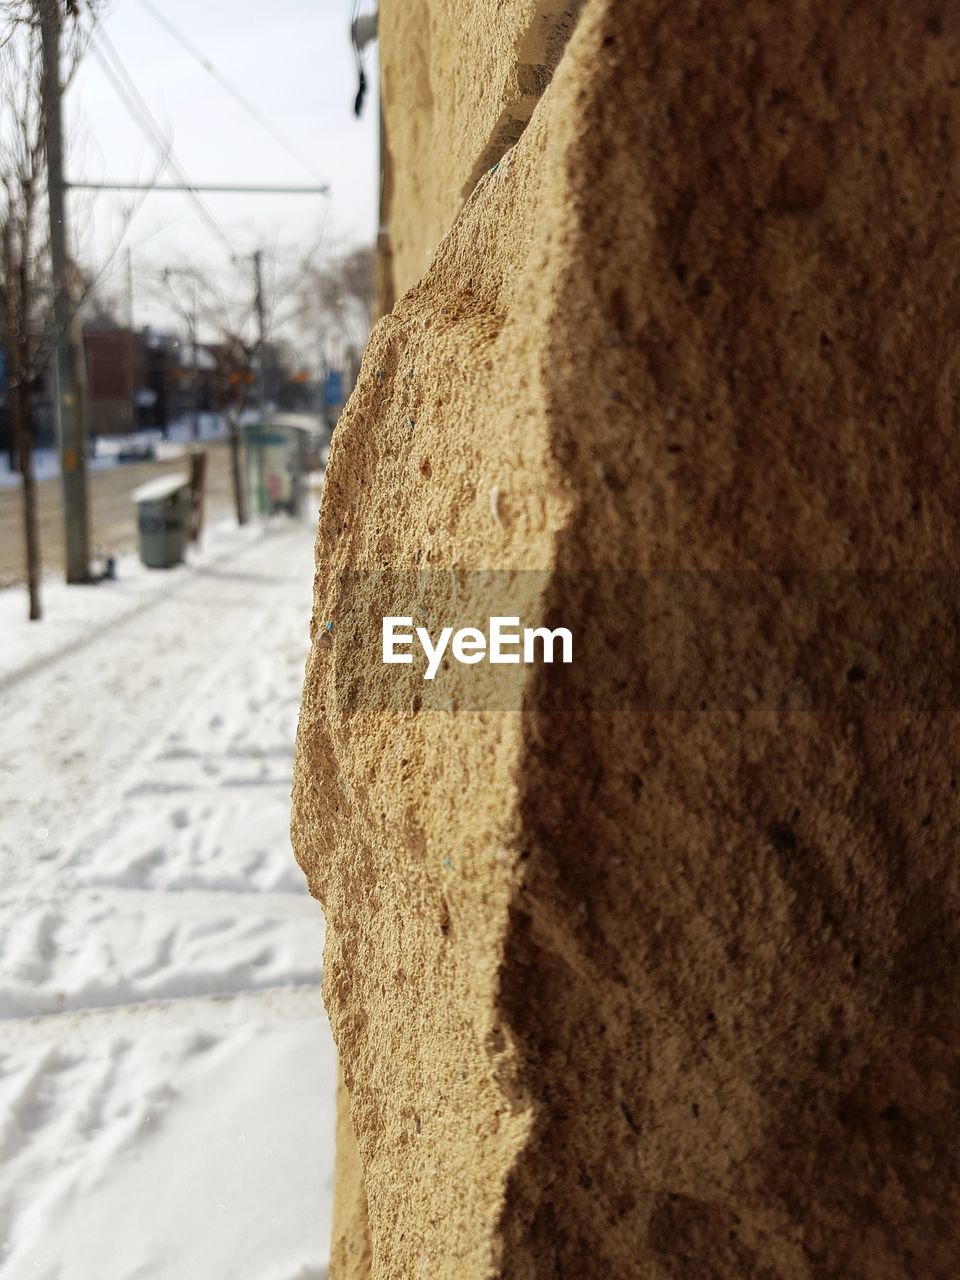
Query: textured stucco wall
x,y
458,82
666,992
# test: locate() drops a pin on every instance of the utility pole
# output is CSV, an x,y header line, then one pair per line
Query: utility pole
x,y
196,364
261,334
73,444
131,348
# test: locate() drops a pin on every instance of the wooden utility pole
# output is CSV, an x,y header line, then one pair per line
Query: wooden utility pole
x,y
196,364
261,335
73,443
131,347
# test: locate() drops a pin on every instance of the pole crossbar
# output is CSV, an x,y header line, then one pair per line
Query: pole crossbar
x,y
226,188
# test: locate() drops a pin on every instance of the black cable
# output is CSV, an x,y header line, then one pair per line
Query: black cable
x,y
361,89
358,53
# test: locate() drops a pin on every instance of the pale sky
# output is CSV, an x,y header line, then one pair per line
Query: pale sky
x,y
294,60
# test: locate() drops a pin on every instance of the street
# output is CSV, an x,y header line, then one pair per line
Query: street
x,y
112,517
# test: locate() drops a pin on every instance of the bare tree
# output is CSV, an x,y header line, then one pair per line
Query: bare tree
x,y
233,360
333,305
231,353
26,310
21,175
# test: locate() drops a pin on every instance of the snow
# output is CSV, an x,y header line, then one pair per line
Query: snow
x,y
160,488
179,436
167,1077
46,466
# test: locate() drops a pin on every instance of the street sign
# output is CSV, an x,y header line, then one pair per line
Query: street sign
x,y
333,388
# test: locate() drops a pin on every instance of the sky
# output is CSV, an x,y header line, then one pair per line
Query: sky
x,y
294,61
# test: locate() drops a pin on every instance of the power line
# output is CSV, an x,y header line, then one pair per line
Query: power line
x,y
248,106
141,116
224,188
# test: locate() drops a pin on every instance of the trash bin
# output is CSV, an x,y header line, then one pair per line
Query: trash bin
x,y
163,518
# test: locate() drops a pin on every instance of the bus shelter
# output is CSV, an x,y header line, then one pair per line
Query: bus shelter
x,y
280,452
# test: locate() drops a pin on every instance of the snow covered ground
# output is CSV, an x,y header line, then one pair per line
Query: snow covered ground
x,y
46,462
166,1071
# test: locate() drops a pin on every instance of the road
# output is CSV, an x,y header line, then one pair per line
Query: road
x,y
113,522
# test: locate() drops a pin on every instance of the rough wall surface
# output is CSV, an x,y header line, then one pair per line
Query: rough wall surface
x,y
666,993
350,1236
459,83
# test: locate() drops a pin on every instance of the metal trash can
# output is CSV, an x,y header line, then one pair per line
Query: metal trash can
x,y
163,519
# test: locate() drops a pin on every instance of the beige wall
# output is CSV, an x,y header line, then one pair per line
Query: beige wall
x,y
660,991
458,84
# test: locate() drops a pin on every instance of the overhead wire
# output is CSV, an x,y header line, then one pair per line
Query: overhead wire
x,y
140,113
152,132
250,107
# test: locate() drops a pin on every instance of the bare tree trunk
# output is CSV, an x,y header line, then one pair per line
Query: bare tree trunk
x,y
21,412
21,406
239,493
198,493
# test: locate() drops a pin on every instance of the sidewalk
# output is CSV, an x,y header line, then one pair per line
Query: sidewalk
x,y
166,1072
